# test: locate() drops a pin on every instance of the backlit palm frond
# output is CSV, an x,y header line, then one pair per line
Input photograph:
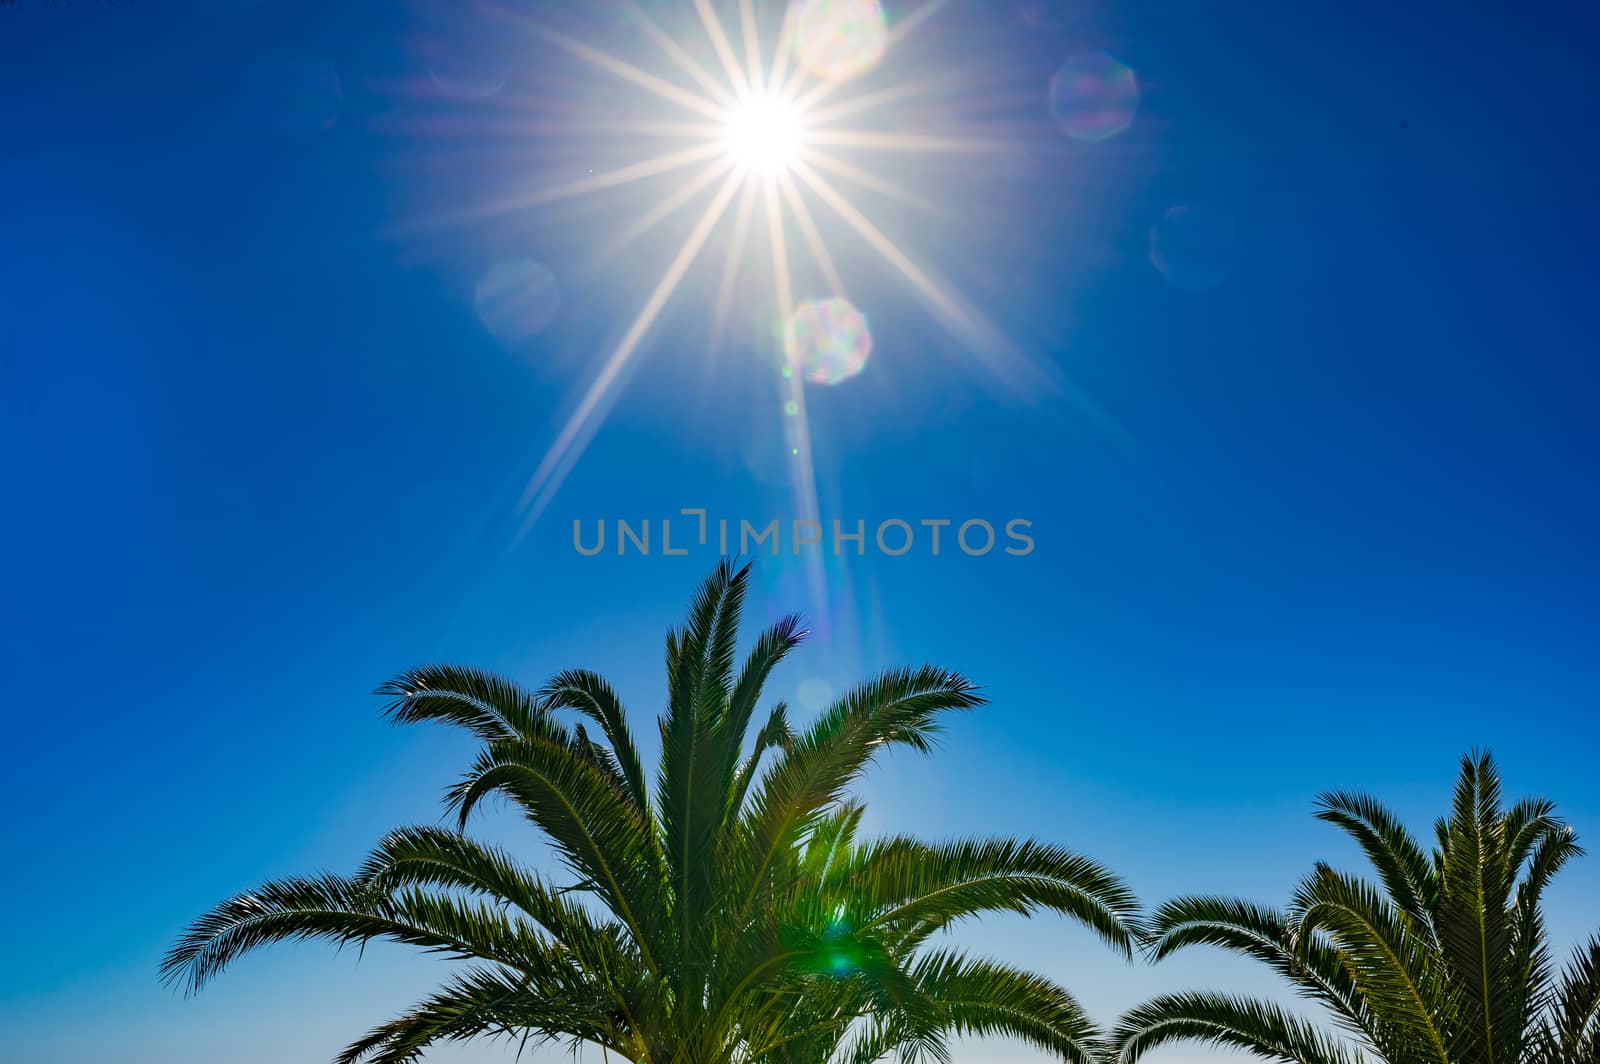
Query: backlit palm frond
x,y
775,734
1407,874
489,706
730,914
599,835
916,889
428,856
970,997
1473,918
1396,973
1444,961
591,695
351,911
772,646
691,791
1263,933
1576,1008
899,707
485,1002
1258,1027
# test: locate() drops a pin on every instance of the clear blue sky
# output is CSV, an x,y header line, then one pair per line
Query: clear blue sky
x,y
1333,524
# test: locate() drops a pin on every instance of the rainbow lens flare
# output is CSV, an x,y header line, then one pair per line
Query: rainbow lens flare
x,y
827,340
1094,97
838,39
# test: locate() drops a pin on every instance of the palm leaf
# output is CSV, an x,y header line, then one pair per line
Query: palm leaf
x,y
1258,1027
731,914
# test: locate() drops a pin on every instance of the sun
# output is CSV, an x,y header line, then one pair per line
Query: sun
x,y
763,135
770,145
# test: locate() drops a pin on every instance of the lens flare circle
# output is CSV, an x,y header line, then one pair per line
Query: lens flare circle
x,y
517,299
1194,248
839,39
814,694
1094,97
763,135
827,340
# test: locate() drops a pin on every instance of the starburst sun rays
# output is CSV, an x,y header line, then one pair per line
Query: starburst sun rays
x,y
763,127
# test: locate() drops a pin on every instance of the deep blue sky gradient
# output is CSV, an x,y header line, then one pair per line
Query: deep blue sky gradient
x,y
260,454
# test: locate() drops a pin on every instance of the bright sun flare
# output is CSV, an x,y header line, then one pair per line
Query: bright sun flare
x,y
763,134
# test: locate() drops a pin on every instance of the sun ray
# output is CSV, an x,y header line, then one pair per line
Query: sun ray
x,y
920,143
780,249
562,127
866,102
812,235
780,59
867,180
699,131
575,434
626,175
980,338
662,210
628,72
673,51
730,265
721,45
797,425
752,46
769,138
874,236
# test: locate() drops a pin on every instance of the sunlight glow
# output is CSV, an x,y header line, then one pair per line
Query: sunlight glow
x,y
755,129
763,135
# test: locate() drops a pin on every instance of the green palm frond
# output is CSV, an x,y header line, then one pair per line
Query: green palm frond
x,y
1407,874
775,734
1261,932
589,694
1396,975
725,912
917,889
597,833
1574,1027
1443,960
489,706
772,646
484,1002
1474,932
900,707
424,856
974,997
692,806
350,911
1258,1027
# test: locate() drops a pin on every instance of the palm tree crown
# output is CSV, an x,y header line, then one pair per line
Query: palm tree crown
x,y
726,912
1443,960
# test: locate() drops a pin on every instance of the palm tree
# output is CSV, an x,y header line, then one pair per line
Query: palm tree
x,y
1444,960
727,913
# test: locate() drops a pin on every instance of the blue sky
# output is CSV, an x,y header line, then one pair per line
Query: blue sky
x,y
1327,521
